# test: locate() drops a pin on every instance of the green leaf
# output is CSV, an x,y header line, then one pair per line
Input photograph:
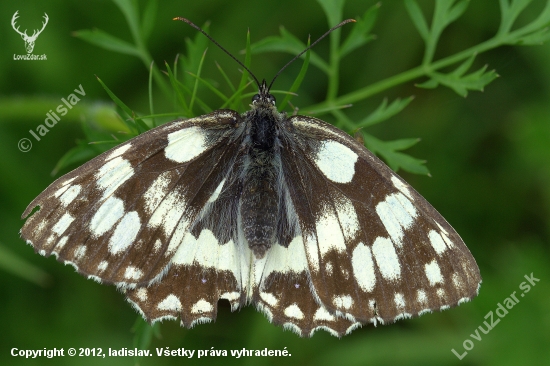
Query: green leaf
x,y
465,66
290,44
333,10
474,81
194,52
211,87
143,335
430,84
535,38
226,78
129,9
178,89
456,11
105,40
196,84
509,13
138,126
245,76
149,16
384,112
359,34
418,19
150,89
14,264
115,99
396,160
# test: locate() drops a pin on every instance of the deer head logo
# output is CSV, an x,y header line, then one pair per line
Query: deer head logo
x,y
29,40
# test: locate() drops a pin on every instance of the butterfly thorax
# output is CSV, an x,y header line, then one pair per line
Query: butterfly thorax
x,y
260,198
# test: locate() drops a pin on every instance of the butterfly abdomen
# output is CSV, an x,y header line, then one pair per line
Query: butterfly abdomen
x,y
259,200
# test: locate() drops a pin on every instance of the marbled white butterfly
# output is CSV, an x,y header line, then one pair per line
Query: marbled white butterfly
x,y
287,213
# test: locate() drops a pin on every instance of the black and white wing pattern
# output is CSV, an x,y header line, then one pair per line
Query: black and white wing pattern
x,y
289,214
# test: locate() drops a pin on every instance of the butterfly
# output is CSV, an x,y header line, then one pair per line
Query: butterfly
x,y
287,213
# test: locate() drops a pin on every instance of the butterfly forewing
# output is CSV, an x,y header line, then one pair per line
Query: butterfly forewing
x,y
116,217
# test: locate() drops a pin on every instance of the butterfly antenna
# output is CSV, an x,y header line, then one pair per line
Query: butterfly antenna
x,y
217,44
310,46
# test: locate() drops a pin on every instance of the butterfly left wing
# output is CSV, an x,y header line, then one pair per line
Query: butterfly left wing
x,y
120,217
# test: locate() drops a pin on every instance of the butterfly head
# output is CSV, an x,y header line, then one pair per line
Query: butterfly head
x,y
264,97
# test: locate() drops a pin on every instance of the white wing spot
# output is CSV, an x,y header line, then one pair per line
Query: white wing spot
x,y
171,302
397,214
119,151
133,273
69,195
310,241
323,314
68,181
169,213
125,232
401,186
342,302
363,267
293,311
336,161
433,273
80,252
202,306
437,242
63,223
61,243
231,296
421,297
386,258
107,216
207,252
157,245
457,281
113,174
329,233
217,192
328,268
102,266
186,144
285,260
399,301
141,294
269,298
156,192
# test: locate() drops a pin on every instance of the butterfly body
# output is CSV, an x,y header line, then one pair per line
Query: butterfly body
x,y
260,193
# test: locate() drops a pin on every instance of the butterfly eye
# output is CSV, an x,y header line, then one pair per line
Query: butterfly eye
x,y
255,98
271,99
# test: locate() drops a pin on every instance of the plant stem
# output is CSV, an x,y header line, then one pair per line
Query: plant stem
x,y
409,75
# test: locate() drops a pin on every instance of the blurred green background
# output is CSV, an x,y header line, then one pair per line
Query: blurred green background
x,y
488,154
